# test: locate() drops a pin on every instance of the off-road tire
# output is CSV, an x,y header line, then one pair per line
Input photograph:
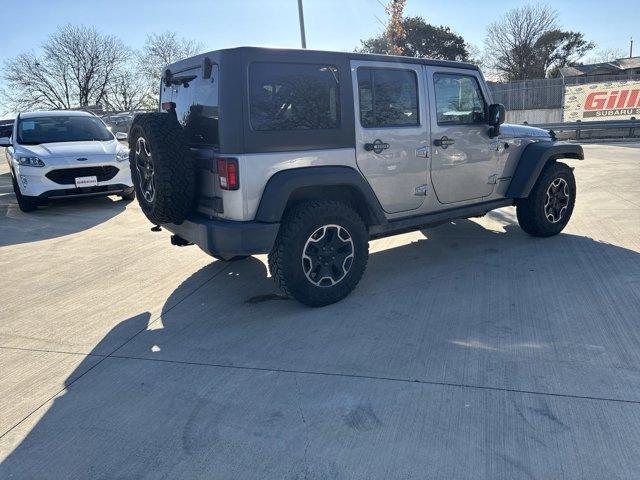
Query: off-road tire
x,y
531,210
285,259
173,167
26,204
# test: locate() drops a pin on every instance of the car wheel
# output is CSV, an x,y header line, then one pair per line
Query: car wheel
x,y
320,253
548,208
25,203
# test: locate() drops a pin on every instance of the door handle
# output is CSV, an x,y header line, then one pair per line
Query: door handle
x,y
377,146
444,142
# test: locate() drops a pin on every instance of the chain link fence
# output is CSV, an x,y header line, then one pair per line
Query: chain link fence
x,y
546,92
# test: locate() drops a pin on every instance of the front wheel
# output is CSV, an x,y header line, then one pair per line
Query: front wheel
x,y
548,208
25,203
320,253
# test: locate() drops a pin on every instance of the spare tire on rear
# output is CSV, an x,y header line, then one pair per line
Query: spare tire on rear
x,y
162,168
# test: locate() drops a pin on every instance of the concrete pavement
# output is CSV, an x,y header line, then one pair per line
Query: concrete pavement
x,y
470,350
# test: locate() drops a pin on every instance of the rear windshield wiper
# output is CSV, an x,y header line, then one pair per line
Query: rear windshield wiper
x,y
178,79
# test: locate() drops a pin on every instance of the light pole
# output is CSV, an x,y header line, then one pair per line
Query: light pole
x,y
303,40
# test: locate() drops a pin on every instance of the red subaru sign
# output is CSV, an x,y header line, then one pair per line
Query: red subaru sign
x,y
601,101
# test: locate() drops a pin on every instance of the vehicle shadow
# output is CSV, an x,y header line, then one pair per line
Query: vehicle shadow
x,y
107,424
60,218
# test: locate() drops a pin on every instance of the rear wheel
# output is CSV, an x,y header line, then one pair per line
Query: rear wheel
x,y
320,253
25,203
548,208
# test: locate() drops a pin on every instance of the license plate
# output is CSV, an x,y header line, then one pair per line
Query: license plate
x,y
86,181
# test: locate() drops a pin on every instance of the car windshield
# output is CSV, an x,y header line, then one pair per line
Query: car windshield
x,y
72,128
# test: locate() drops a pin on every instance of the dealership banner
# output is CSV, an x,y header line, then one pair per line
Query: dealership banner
x,y
602,101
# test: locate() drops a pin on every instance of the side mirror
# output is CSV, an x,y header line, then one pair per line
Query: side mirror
x,y
121,136
5,142
496,117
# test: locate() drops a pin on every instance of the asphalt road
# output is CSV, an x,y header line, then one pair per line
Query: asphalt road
x,y
468,351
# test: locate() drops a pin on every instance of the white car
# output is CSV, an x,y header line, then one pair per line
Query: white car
x,y
62,154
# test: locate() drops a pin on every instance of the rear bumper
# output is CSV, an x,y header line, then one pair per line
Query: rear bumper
x,y
225,238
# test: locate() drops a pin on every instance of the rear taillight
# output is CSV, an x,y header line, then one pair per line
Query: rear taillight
x,y
228,173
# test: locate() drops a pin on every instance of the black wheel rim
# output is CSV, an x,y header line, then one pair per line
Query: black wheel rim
x,y
144,166
556,200
327,256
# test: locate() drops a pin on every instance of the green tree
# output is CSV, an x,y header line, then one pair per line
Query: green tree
x,y
421,40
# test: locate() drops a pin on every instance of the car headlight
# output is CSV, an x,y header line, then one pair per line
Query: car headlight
x,y
30,161
122,155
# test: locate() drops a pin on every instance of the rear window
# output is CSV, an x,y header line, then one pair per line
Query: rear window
x,y
287,96
388,97
197,105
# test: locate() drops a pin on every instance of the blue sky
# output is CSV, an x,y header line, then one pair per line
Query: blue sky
x,y
330,24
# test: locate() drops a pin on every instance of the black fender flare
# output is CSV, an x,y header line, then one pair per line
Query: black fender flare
x,y
533,159
283,184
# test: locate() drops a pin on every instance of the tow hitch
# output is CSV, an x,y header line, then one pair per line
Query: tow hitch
x,y
179,241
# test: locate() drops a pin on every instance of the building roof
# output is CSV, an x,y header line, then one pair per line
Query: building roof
x,y
613,67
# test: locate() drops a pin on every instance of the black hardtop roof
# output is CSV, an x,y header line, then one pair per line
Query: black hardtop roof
x,y
297,53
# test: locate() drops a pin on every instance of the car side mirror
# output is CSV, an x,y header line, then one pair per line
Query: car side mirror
x,y
497,115
5,142
121,136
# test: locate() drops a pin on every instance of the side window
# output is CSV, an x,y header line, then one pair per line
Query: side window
x,y
459,99
388,97
289,96
6,130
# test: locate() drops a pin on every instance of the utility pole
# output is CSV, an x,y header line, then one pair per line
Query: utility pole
x,y
303,39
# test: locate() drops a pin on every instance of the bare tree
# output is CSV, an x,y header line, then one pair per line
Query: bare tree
x,y
128,91
73,70
161,49
395,32
606,55
527,43
34,82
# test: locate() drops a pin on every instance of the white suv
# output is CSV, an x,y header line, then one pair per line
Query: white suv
x,y
62,154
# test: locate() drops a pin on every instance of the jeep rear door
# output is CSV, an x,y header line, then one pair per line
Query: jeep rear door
x,y
464,160
194,91
392,131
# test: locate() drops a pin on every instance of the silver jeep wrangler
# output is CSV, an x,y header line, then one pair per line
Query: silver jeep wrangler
x,y
306,155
